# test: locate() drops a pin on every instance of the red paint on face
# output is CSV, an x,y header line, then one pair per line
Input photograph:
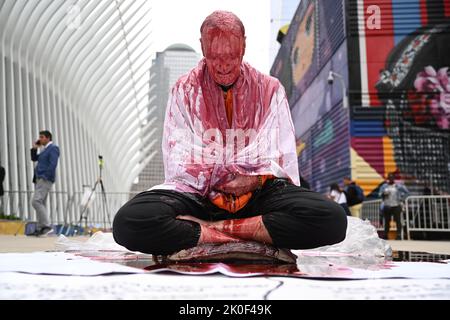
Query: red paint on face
x,y
224,53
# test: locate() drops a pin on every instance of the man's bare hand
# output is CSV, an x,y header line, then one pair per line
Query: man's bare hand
x,y
239,185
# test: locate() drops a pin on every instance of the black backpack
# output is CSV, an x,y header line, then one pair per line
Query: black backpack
x,y
354,194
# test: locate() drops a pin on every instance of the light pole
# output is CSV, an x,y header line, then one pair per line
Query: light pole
x,y
333,75
346,105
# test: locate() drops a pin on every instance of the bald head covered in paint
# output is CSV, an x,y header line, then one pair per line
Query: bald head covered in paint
x,y
223,46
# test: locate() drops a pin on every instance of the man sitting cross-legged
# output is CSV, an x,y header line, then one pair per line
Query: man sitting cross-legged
x,y
230,162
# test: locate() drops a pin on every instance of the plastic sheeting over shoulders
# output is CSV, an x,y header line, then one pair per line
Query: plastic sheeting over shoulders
x,y
201,148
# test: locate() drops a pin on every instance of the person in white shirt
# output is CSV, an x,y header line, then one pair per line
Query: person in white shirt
x,y
338,195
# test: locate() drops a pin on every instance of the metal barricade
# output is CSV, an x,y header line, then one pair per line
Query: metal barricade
x,y
370,210
65,208
427,213
19,204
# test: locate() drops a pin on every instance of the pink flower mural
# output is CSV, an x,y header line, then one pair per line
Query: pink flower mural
x,y
436,86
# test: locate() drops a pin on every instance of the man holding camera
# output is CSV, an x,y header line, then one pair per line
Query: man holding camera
x,y
46,154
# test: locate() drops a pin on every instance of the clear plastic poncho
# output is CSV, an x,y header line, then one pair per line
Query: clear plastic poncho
x,y
201,149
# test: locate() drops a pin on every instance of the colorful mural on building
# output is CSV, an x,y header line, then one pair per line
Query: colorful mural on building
x,y
322,128
395,58
315,45
401,65
314,35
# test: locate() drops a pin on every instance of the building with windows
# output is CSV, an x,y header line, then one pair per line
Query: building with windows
x,y
167,68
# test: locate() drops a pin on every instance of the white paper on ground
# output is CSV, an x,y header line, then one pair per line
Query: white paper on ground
x,y
58,263
147,287
393,270
382,289
25,286
68,264
413,270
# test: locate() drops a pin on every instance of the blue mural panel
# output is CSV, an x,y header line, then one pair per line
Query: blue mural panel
x,y
325,156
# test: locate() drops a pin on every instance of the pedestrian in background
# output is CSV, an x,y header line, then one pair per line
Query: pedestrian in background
x,y
338,195
46,154
355,197
2,191
393,194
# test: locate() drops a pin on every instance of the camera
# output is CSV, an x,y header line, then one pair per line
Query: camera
x,y
101,162
331,78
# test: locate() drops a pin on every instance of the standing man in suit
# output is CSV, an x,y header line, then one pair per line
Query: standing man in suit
x,y
46,154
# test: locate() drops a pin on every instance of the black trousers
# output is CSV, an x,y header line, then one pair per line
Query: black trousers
x,y
295,218
346,209
388,212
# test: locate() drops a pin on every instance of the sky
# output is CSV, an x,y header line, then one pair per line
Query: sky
x,y
179,21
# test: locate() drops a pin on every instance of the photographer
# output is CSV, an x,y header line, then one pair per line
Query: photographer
x,y
46,154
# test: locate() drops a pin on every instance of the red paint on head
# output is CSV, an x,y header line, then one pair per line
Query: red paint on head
x,y
223,45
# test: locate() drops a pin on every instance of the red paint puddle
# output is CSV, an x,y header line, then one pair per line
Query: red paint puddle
x,y
309,265
236,269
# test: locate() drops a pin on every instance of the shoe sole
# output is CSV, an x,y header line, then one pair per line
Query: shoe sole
x,y
46,234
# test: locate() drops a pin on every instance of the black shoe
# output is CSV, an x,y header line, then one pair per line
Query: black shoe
x,y
45,231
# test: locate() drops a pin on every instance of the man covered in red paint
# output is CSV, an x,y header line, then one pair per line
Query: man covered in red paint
x,y
230,162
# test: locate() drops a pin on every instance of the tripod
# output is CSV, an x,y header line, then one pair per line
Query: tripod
x,y
84,213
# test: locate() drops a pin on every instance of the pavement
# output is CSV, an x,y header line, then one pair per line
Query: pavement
x,y
24,244
431,281
439,247
32,244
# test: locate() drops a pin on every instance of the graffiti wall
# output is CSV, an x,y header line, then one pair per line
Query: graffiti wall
x,y
324,150
314,35
315,45
399,64
394,57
